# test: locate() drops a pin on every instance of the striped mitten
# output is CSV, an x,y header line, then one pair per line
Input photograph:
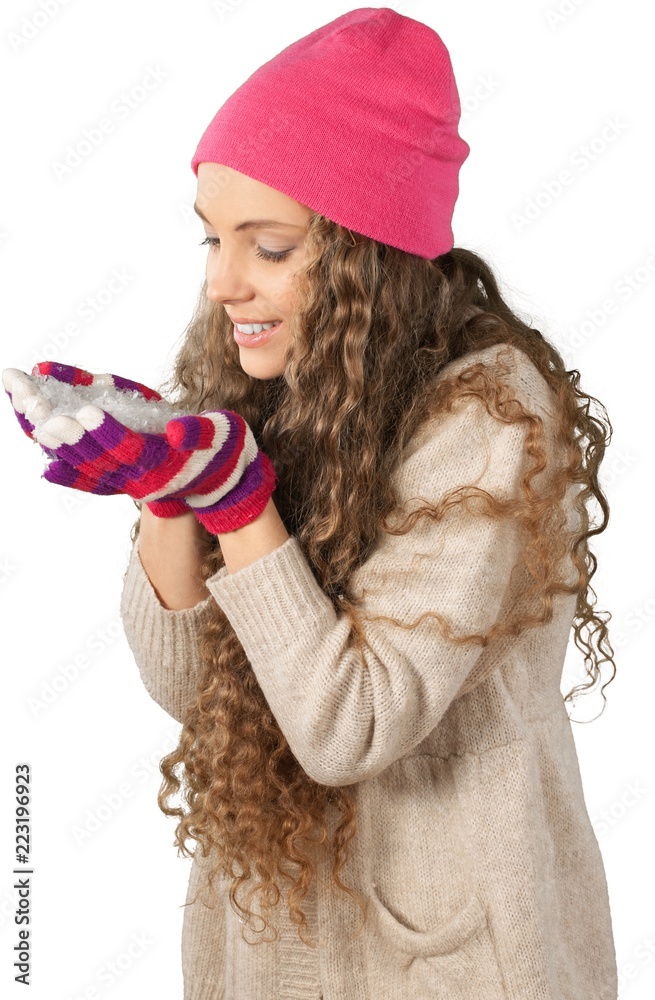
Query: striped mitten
x,y
208,462
32,407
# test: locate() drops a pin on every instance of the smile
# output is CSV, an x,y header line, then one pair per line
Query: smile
x,y
266,332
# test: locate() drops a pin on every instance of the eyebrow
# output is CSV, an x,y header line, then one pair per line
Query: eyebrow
x,y
252,223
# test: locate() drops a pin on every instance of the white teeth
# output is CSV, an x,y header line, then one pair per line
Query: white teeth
x,y
255,327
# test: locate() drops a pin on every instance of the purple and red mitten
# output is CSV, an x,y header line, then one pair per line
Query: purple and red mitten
x,y
208,462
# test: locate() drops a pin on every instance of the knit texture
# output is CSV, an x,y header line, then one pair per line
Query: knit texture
x,y
357,120
474,847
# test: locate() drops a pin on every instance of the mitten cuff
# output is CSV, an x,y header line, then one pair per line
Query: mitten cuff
x,y
167,508
225,516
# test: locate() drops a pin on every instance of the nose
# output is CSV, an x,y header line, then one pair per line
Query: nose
x,y
226,278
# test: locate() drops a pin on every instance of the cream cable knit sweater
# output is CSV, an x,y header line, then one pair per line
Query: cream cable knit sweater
x,y
474,846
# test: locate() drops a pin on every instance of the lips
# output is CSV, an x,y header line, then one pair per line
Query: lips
x,y
255,339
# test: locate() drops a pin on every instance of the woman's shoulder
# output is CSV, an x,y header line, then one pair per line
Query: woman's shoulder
x,y
467,435
517,370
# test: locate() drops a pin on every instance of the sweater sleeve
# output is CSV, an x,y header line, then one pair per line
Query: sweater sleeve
x,y
164,642
348,716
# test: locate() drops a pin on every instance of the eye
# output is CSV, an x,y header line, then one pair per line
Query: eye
x,y
272,255
263,254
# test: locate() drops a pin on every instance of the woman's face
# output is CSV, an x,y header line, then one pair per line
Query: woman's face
x,y
251,271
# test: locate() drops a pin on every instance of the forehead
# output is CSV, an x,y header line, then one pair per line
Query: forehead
x,y
227,196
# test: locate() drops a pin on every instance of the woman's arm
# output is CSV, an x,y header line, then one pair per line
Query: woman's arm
x,y
165,603
249,543
163,614
171,551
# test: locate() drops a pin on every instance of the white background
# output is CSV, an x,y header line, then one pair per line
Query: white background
x,y
537,86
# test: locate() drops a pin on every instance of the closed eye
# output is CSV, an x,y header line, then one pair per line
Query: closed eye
x,y
213,242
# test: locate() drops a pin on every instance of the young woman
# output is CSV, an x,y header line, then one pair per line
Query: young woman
x,y
360,553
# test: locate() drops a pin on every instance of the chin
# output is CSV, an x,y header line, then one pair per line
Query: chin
x,y
260,367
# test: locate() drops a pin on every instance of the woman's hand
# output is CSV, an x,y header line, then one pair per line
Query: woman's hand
x,y
209,462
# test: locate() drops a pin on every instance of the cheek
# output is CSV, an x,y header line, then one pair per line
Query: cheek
x,y
278,293
294,287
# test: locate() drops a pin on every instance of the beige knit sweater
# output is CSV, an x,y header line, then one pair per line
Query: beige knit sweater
x,y
474,846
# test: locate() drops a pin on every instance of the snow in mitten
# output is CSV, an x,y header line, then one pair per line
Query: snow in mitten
x,y
70,375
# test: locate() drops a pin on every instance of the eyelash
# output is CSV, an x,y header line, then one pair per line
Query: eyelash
x,y
213,241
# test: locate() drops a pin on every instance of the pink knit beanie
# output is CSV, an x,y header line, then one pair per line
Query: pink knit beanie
x,y
357,121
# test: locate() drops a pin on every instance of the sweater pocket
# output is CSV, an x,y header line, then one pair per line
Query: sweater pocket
x,y
457,961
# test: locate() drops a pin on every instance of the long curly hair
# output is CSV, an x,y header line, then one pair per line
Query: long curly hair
x,y
373,327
